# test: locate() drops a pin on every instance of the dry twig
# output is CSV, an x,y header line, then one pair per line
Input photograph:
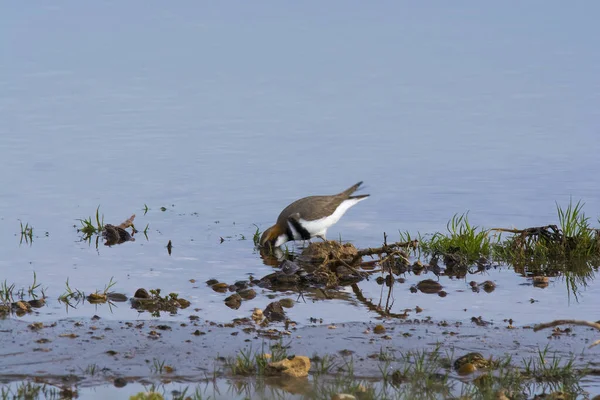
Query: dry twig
x,y
595,325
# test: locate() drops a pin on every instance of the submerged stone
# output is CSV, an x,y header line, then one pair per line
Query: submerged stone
x,y
429,286
288,267
118,297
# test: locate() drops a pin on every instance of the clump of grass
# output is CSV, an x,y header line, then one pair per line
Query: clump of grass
x,y
415,249
575,227
108,286
256,236
385,355
26,232
9,292
570,248
6,292
573,237
541,373
463,245
71,295
344,381
546,368
249,363
322,365
158,366
90,227
91,369
421,373
34,286
101,296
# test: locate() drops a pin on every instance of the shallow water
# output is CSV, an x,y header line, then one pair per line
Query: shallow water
x,y
224,116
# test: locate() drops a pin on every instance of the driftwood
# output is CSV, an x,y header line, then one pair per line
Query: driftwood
x,y
117,234
387,248
549,232
595,325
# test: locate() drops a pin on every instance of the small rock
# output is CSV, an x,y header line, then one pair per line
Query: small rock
x,y
239,285
183,303
287,302
220,287
234,301
141,293
289,267
247,294
36,326
211,282
120,382
429,286
295,367
274,312
467,369
488,286
257,315
540,281
389,280
37,303
22,305
118,297
417,266
379,329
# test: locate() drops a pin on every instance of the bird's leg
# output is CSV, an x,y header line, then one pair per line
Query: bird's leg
x,y
322,237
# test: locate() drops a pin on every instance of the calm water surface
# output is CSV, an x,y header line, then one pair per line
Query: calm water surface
x,y
224,114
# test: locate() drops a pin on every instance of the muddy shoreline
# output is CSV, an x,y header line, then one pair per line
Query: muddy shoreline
x,y
123,352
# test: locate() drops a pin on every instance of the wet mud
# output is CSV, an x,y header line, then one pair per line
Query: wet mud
x,y
124,352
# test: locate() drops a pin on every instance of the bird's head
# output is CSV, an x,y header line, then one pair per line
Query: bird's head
x,y
273,237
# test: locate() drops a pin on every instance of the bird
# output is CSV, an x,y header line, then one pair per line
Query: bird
x,y
310,217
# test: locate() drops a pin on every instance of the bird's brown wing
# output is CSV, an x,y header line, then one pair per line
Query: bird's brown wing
x,y
311,208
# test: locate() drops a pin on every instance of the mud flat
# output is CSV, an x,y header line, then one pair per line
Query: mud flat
x,y
91,352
